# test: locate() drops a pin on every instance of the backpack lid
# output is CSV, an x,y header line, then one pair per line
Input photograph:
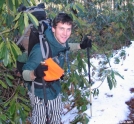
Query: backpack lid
x,y
39,13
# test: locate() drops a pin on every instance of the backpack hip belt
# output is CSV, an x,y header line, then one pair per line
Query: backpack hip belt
x,y
39,85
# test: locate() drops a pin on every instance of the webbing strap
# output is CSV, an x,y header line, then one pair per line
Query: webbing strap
x,y
32,90
44,55
42,40
34,10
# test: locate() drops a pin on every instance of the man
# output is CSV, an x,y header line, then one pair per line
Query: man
x,y
33,70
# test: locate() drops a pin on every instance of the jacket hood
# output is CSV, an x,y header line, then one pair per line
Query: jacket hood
x,y
56,47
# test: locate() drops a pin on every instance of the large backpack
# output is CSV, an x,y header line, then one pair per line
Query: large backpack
x,y
31,35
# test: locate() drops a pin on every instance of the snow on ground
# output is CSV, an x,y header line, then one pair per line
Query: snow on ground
x,y
109,106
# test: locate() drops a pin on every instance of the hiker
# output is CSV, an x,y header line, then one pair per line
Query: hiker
x,y
33,70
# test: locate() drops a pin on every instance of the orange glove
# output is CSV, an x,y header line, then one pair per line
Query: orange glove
x,y
54,71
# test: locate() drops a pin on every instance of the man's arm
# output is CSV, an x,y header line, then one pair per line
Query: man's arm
x,y
83,45
33,61
28,75
74,46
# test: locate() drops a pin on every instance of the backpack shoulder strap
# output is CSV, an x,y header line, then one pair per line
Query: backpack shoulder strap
x,y
45,49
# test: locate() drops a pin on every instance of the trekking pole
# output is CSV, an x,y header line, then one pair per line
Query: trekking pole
x,y
88,57
45,55
45,101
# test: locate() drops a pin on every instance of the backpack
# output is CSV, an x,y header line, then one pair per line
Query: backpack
x,y
30,36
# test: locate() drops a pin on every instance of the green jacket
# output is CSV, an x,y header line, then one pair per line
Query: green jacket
x,y
34,59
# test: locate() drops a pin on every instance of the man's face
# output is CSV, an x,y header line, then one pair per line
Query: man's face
x,y
62,32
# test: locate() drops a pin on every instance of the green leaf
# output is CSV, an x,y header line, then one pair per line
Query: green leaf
x,y
9,82
85,118
13,2
14,6
5,31
113,78
10,4
10,76
95,92
116,73
12,54
3,84
33,20
33,1
16,25
2,50
74,7
26,20
22,90
1,121
23,99
12,107
17,119
6,104
21,24
83,108
109,83
2,2
80,7
3,117
2,44
6,56
16,48
112,74
22,113
9,20
18,16
25,107
68,6
15,51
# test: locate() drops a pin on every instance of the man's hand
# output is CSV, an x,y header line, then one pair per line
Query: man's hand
x,y
39,71
86,43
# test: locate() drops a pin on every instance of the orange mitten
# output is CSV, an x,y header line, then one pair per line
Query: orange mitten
x,y
54,71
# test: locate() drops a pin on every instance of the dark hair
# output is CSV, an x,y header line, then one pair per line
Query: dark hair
x,y
63,18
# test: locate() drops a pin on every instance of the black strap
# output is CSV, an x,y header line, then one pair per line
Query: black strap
x,y
45,101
